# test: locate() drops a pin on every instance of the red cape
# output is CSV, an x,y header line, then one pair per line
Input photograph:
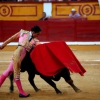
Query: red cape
x,y
51,58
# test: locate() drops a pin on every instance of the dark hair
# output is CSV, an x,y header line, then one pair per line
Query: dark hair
x,y
44,13
36,29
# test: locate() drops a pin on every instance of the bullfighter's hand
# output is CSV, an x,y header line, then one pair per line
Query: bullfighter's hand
x,y
1,47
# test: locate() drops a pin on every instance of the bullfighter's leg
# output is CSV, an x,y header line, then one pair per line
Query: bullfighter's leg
x,y
51,83
66,76
17,63
6,73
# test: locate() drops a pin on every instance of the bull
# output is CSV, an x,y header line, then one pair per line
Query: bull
x,y
28,65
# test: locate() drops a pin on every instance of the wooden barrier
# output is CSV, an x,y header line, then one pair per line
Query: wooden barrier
x,y
69,30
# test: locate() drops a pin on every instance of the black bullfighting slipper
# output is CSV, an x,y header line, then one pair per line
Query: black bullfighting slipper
x,y
23,96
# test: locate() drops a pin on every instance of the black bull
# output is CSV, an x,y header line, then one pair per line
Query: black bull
x,y
27,65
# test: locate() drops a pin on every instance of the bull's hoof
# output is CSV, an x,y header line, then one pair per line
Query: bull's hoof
x,y
78,91
37,90
23,96
58,92
11,89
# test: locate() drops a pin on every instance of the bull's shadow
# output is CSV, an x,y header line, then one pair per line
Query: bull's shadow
x,y
27,65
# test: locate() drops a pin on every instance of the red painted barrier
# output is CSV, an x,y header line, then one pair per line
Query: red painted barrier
x,y
88,30
52,30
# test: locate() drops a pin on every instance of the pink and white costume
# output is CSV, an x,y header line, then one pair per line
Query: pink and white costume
x,y
18,56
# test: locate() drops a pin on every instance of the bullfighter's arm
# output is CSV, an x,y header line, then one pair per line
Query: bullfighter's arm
x,y
12,38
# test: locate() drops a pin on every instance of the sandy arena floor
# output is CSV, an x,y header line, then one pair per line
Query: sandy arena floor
x,y
89,83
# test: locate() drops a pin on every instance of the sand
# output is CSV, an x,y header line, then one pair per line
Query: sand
x,y
89,83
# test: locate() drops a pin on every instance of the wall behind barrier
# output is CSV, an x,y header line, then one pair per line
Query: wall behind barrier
x,y
66,30
90,9
20,11
33,11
